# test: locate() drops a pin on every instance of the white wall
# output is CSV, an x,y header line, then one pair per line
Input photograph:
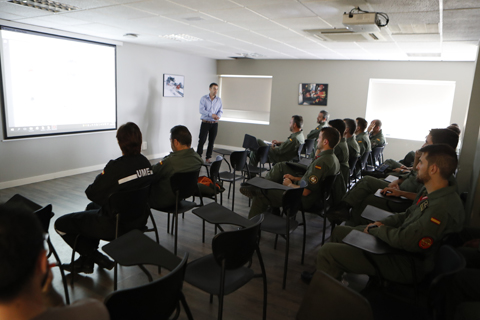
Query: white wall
x,y
347,93
140,72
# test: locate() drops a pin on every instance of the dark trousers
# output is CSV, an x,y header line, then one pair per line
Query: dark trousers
x,y
90,224
209,129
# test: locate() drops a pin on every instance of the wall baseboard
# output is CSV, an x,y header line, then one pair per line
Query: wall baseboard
x,y
61,174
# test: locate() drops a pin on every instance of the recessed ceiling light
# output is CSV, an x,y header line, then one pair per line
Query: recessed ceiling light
x,y
46,5
181,37
130,35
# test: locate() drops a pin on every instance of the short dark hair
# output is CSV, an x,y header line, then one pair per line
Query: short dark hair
x,y
332,135
378,123
351,125
129,139
182,135
212,84
338,124
21,242
443,156
362,123
298,120
325,115
445,136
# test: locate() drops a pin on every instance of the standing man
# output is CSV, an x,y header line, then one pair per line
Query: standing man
x,y
211,111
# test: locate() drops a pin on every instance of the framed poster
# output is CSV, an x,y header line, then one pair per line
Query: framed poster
x,y
173,85
313,94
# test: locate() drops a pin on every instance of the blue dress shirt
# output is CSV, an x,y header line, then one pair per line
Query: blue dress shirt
x,y
209,107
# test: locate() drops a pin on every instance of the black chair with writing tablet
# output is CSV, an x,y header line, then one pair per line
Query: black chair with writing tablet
x,y
157,299
224,271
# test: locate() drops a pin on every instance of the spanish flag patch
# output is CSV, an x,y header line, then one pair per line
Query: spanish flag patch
x,y
359,142
318,167
436,221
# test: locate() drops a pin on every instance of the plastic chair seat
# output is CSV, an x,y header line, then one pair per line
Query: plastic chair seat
x,y
229,176
183,206
203,273
276,224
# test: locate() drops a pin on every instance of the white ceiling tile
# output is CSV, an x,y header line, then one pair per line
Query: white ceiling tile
x,y
22,11
283,10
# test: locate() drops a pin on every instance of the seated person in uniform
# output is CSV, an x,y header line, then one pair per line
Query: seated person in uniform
x,y
341,149
182,159
283,151
353,147
362,194
322,119
25,276
362,137
436,212
377,139
324,165
131,170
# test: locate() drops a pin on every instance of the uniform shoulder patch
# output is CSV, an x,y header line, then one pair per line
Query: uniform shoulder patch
x,y
318,167
359,141
313,179
290,139
378,139
161,162
425,242
436,221
103,172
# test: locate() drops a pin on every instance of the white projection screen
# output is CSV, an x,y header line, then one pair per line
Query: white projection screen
x,y
56,85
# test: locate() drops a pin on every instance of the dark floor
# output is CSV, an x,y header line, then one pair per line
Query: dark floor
x,y
67,195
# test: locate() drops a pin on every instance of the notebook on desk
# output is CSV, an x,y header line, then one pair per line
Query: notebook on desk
x,y
390,198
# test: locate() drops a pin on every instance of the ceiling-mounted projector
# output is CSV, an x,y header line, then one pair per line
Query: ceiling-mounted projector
x,y
362,22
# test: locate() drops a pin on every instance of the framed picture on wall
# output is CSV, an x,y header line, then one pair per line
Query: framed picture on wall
x,y
173,85
313,94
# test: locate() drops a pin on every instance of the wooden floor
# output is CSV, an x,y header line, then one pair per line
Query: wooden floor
x,y
67,195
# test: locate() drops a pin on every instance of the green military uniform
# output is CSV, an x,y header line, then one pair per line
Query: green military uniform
x,y
284,152
377,140
326,164
314,135
419,230
316,132
161,194
341,151
363,194
363,142
353,147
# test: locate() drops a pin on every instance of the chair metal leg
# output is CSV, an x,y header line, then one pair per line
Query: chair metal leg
x,y
62,272
149,276
304,237
72,264
176,233
168,222
275,244
185,306
115,277
233,193
203,231
285,267
324,228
